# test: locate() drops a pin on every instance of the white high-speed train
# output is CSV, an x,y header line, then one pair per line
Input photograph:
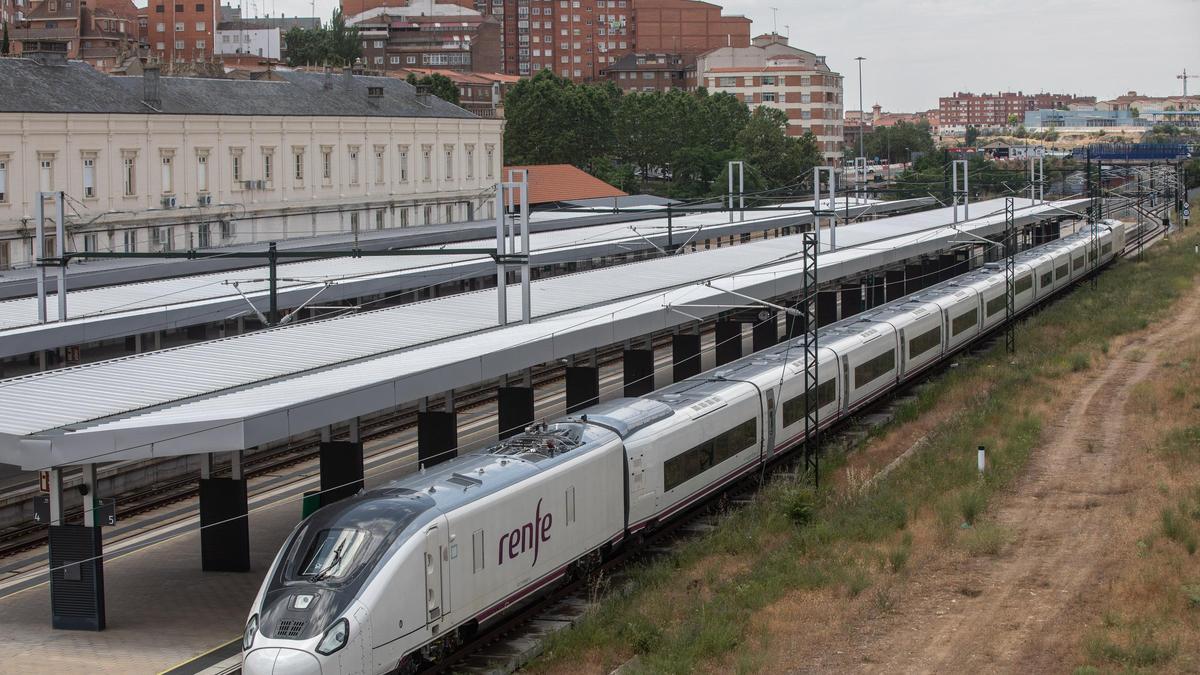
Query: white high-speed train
x,y
394,577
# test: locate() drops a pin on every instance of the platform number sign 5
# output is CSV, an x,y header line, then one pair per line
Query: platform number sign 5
x,y
106,512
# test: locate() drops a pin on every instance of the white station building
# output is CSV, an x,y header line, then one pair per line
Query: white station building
x,y
154,163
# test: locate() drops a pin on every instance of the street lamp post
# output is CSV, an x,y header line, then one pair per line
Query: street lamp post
x,y
861,119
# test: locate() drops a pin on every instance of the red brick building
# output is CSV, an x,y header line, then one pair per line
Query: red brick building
x,y
995,110
481,93
181,31
12,11
581,39
101,32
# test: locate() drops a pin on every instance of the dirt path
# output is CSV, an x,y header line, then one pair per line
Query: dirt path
x,y
1024,610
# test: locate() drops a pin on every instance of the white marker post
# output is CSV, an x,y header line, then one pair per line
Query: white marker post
x,y
982,459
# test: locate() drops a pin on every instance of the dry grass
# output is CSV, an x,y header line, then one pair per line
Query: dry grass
x,y
1150,615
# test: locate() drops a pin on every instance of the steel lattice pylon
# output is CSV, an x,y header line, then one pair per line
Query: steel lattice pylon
x,y
1010,272
812,428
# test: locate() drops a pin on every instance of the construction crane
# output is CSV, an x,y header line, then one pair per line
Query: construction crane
x,y
1185,77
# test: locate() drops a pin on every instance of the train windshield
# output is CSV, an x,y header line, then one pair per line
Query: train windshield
x,y
333,553
339,542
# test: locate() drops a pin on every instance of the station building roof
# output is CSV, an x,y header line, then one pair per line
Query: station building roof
x,y
29,86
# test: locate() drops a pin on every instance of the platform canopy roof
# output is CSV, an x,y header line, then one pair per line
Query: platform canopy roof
x,y
266,386
111,312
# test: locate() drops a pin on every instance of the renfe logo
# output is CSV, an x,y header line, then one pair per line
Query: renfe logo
x,y
526,537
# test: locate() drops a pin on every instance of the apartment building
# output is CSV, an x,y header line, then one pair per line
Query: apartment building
x,y
652,72
582,39
101,32
435,35
159,163
996,110
180,31
770,72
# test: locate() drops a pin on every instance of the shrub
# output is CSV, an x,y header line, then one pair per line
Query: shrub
x,y
800,503
970,504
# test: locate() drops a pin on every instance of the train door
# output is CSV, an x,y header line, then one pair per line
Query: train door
x,y
435,585
845,383
770,449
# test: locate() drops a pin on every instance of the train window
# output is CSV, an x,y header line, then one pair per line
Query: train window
x,y
1024,283
964,321
1047,279
996,305
1078,263
333,553
1106,249
1062,270
793,408
691,463
477,550
924,342
874,368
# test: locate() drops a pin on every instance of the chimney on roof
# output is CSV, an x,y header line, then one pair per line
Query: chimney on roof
x,y
328,78
424,95
150,95
347,77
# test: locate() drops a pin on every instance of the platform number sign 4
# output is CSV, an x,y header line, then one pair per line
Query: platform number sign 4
x,y
41,509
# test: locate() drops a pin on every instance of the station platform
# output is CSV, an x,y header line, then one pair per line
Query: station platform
x,y
166,616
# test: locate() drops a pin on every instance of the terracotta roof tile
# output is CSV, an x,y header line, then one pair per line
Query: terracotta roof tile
x,y
563,182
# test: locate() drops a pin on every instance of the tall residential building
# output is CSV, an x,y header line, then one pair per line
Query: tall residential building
x,y
581,39
181,31
996,110
771,73
158,163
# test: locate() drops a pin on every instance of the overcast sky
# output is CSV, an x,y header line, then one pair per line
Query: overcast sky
x,y
918,50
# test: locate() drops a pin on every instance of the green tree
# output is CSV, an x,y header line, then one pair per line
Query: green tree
x,y
4,41
766,148
342,41
1013,119
551,120
335,44
894,143
972,135
439,85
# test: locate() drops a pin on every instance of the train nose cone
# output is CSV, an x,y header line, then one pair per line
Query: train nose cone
x,y
275,661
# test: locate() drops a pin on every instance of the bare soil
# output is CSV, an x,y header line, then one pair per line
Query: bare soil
x,y
1070,521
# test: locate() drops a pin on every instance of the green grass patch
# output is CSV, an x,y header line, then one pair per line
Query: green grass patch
x,y
791,537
